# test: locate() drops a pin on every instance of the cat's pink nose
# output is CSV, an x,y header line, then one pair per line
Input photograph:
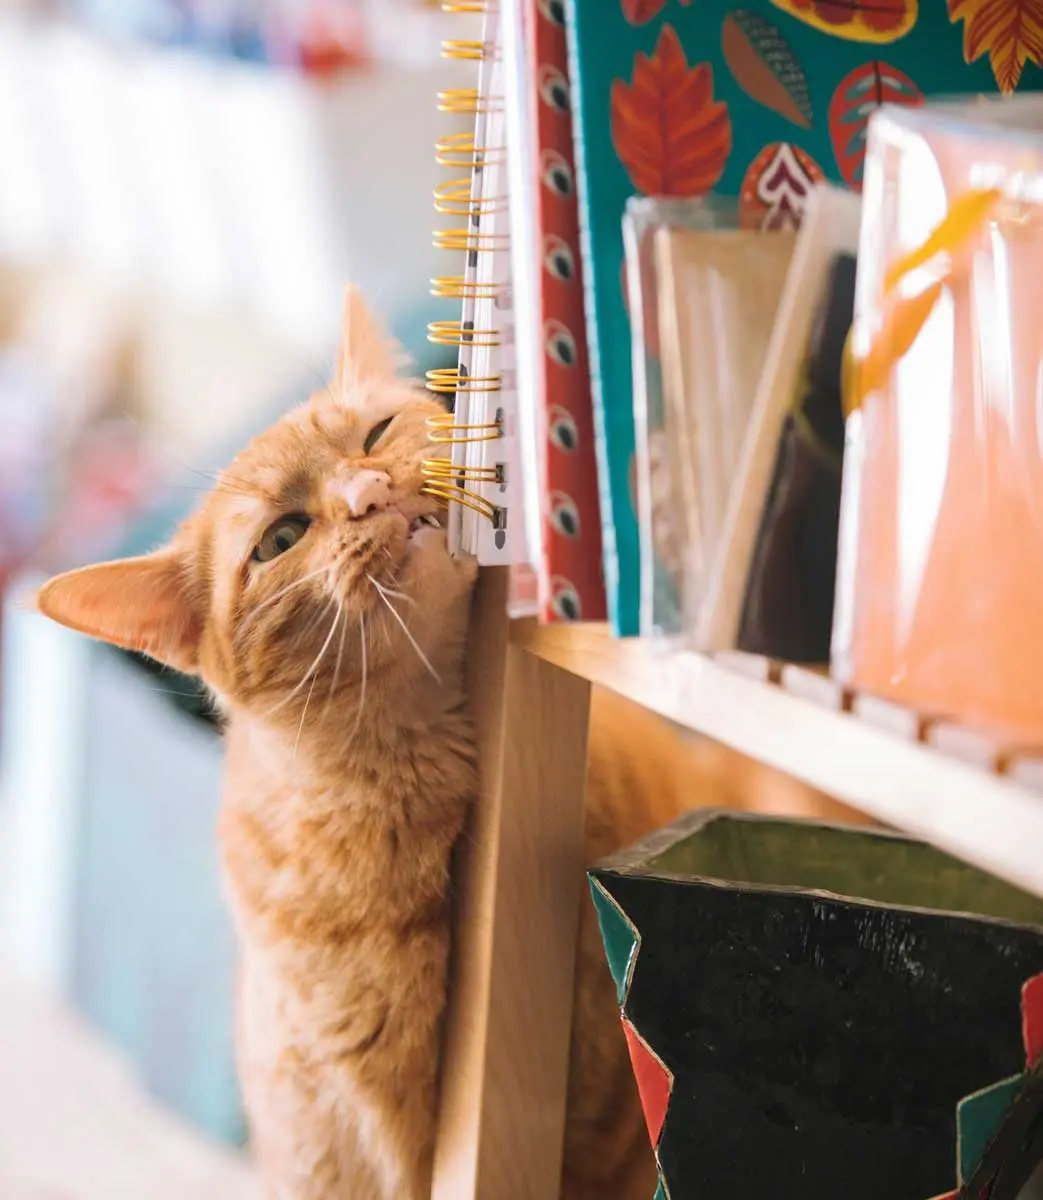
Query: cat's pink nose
x,y
364,491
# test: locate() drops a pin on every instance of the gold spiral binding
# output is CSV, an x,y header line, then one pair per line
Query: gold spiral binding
x,y
444,481
466,51
447,380
459,150
457,287
467,241
453,199
444,491
466,101
441,470
453,333
443,430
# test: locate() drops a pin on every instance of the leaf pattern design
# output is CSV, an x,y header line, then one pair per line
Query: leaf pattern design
x,y
776,187
670,134
640,12
857,20
1009,31
765,66
857,96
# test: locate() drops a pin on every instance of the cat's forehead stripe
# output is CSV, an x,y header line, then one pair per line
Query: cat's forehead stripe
x,y
293,491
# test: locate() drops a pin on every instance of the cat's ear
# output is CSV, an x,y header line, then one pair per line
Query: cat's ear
x,y
367,356
141,604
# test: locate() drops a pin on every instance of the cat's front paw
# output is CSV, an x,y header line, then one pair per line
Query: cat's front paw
x,y
467,569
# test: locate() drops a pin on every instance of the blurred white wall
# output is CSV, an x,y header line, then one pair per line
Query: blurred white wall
x,y
225,185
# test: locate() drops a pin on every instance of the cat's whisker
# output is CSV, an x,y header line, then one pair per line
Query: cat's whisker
x,y
405,629
387,591
278,596
307,674
315,677
132,419
336,669
392,592
318,619
362,690
209,491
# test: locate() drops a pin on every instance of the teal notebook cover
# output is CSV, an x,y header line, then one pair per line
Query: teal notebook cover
x,y
685,97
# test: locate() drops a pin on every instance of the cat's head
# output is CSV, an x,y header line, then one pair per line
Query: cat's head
x,y
314,566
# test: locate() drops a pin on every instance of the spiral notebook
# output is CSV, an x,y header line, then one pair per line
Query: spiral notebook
x,y
475,470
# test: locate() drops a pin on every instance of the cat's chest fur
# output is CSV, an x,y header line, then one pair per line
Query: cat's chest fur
x,y
319,853
338,874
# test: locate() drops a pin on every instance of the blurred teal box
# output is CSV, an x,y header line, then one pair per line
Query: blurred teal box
x,y
110,888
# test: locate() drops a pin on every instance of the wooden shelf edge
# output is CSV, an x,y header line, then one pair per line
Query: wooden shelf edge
x,y
986,819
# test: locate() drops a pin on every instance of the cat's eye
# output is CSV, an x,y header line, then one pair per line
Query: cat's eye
x,y
375,434
280,536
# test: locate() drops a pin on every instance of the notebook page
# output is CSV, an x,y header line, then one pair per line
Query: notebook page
x,y
500,542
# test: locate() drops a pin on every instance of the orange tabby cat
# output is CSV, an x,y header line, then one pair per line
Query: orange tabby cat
x,y
314,594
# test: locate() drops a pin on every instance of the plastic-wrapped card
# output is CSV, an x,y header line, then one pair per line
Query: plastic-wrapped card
x,y
772,589
940,576
718,296
659,520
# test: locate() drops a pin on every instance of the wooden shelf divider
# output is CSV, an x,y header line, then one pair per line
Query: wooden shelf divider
x,y
977,800
505,1059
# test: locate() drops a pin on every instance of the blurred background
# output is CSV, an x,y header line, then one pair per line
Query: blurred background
x,y
185,188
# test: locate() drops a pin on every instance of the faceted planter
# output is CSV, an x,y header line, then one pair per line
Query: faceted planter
x,y
806,1005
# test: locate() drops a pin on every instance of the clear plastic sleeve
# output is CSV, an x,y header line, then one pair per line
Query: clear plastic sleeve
x,y
674,511
660,536
772,588
718,296
940,575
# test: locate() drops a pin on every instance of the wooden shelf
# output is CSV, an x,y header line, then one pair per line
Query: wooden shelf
x,y
948,786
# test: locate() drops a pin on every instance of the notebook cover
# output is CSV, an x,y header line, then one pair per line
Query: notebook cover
x,y
572,586
676,98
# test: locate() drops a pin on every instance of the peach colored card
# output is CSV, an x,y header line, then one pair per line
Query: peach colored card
x,y
940,586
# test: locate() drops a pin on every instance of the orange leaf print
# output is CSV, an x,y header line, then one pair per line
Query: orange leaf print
x,y
1011,31
672,137
856,20
640,12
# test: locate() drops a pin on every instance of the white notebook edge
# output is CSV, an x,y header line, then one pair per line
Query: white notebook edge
x,y
526,266
495,545
460,519
830,227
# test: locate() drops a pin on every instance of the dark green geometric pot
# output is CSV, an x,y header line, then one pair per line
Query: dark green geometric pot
x,y
806,1004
